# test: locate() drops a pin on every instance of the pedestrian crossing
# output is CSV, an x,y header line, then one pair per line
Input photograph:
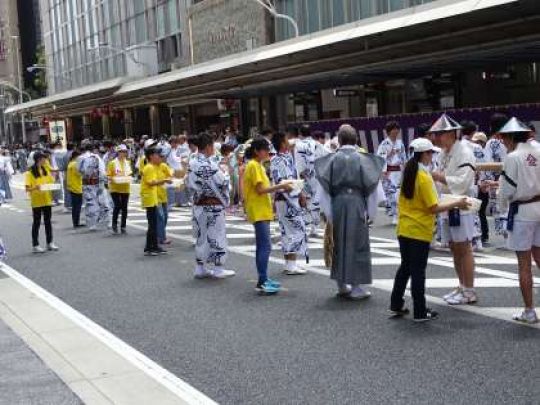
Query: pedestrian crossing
x,y
385,255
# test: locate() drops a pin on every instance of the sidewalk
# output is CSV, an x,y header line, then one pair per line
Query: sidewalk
x,y
24,378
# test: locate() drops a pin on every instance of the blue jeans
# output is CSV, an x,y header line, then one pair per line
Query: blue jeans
x,y
162,213
263,249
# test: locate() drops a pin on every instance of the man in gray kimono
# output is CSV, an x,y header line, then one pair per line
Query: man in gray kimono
x,y
348,196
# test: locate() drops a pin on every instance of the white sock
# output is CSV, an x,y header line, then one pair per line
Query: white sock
x,y
200,268
291,265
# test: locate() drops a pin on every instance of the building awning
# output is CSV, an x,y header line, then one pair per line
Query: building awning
x,y
86,93
430,36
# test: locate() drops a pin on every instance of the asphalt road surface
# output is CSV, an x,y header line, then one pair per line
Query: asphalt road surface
x,y
302,346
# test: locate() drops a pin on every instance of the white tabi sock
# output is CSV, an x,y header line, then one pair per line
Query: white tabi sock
x,y
291,265
199,269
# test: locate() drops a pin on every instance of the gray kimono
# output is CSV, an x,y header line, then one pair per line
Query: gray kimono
x,y
349,180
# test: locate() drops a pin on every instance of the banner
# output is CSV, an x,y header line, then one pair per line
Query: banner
x,y
57,130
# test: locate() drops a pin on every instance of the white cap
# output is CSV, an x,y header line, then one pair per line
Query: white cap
x,y
422,145
479,136
122,148
149,143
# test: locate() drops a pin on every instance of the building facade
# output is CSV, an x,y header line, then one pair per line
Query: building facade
x,y
198,64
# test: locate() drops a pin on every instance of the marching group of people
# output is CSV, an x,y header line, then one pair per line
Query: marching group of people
x,y
431,190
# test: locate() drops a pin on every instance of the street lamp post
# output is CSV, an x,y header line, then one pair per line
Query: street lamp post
x,y
19,73
269,5
127,53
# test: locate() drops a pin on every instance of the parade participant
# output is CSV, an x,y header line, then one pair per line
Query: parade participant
x,y
74,185
418,205
149,199
41,201
119,167
349,182
110,152
532,136
305,153
520,187
174,161
480,139
164,173
52,167
495,152
288,206
6,172
210,187
258,206
63,165
392,150
95,197
455,175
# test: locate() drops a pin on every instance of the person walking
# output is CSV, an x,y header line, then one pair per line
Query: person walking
x,y
119,173
75,188
258,206
37,179
165,173
418,206
520,192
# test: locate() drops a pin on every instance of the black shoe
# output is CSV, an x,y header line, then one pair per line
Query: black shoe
x,y
80,226
430,316
150,253
115,231
123,231
160,251
398,313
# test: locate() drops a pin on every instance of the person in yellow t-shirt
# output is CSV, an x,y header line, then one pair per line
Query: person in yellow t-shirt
x,y
418,205
74,186
149,200
258,206
41,201
120,168
164,172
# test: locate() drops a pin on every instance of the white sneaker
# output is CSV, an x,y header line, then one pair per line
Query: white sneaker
x,y
528,316
455,291
221,274
463,298
93,228
394,221
52,247
202,274
295,272
38,249
358,294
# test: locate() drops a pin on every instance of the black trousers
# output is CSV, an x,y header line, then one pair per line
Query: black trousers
x,y
37,213
414,257
484,197
151,232
76,205
120,201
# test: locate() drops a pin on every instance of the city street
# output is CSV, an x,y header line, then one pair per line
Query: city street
x,y
303,346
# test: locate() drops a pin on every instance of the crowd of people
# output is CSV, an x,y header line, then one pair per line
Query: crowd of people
x,y
438,191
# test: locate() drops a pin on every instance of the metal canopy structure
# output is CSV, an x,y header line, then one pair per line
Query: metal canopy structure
x,y
436,37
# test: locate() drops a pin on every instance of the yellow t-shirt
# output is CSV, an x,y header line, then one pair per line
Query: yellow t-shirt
x,y
149,196
415,218
39,198
74,178
258,207
124,170
164,171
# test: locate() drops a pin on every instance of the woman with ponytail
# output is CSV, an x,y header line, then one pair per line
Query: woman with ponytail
x,y
418,205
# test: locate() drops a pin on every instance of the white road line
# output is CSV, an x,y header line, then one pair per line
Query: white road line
x,y
164,377
504,315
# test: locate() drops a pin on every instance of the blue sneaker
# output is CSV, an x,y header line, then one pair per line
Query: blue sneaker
x,y
267,288
274,283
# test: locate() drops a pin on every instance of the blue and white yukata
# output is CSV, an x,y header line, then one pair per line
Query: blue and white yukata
x,y
395,157
306,152
289,212
207,181
6,171
495,151
95,196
